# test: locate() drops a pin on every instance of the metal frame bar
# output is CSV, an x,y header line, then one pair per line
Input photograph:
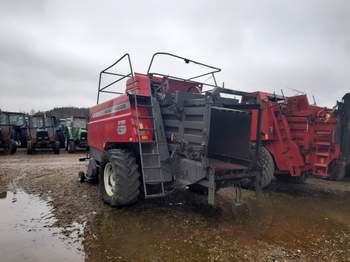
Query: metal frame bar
x,y
105,71
187,61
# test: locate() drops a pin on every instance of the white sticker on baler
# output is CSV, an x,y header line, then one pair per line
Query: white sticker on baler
x,y
113,109
121,130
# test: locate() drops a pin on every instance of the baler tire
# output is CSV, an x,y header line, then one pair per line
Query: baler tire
x,y
126,177
267,166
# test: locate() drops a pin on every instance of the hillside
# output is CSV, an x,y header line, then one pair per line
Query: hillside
x,y
64,112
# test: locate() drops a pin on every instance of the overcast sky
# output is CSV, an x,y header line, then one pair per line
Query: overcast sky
x,y
51,51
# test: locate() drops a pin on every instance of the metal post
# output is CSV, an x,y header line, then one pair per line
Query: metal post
x,y
211,187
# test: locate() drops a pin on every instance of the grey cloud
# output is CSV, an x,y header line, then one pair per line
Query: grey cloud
x,y
51,52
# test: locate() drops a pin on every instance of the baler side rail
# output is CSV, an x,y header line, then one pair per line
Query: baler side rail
x,y
121,76
213,69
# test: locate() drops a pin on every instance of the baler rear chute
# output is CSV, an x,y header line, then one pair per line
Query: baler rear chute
x,y
165,132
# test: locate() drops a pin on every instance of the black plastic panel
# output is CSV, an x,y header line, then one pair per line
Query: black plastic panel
x,y
229,134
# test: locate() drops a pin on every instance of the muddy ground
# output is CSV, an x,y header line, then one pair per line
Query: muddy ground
x,y
44,208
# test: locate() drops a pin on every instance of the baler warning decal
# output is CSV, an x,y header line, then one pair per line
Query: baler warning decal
x,y
113,109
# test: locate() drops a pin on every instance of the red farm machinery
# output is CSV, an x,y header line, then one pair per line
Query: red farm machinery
x,y
300,139
7,133
165,132
41,134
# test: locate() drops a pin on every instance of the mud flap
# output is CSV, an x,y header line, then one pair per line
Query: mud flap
x,y
258,186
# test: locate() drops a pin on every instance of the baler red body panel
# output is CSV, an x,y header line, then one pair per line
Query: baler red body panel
x,y
114,121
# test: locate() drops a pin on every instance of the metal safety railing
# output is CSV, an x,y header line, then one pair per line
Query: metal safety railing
x,y
102,89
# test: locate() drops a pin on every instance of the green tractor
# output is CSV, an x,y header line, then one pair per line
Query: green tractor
x,y
76,134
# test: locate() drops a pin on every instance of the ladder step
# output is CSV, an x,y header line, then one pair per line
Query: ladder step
x,y
323,143
322,154
150,154
152,167
321,165
147,142
323,132
153,182
155,195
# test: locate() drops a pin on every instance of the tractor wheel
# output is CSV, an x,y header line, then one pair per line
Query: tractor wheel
x,y
30,148
71,146
56,148
267,167
347,170
337,170
12,147
119,181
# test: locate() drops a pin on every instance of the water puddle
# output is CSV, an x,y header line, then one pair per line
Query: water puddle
x,y
27,233
307,227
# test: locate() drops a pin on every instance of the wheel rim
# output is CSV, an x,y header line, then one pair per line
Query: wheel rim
x,y
108,178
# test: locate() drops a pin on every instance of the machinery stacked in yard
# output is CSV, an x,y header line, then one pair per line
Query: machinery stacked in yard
x,y
322,134
280,152
76,133
41,134
165,132
299,139
7,134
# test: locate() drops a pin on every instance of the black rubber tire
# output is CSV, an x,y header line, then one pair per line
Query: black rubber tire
x,y
81,177
347,170
91,174
12,147
56,148
299,179
6,148
267,167
287,178
71,146
29,148
337,170
127,177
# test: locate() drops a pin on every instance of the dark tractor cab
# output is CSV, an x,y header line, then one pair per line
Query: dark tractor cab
x,y
7,134
18,122
42,134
